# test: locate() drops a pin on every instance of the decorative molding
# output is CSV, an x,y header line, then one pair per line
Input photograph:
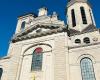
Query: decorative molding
x,y
90,28
7,57
86,45
24,35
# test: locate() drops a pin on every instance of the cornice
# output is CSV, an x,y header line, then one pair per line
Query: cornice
x,y
7,57
35,35
33,27
88,29
86,45
79,33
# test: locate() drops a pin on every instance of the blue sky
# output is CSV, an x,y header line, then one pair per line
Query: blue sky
x,y
11,9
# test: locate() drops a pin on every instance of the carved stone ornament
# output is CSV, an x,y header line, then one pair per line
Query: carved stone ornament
x,y
95,39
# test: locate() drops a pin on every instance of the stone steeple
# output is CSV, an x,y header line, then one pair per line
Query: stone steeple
x,y
79,15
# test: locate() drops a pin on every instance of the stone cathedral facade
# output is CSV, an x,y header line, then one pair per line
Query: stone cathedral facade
x,y
45,48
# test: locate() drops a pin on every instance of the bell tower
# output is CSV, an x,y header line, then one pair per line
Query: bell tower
x,y
79,14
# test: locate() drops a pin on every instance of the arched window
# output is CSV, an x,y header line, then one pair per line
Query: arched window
x,y
86,40
37,59
23,25
83,15
87,69
73,18
77,41
1,71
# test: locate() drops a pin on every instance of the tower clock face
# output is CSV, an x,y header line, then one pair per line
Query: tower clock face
x,y
38,50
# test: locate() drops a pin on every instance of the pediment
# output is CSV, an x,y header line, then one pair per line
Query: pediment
x,y
37,31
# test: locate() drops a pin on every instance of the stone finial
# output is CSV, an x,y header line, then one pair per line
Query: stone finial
x,y
42,11
55,15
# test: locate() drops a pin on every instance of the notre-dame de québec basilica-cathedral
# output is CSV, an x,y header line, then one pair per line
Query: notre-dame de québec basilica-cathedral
x,y
45,48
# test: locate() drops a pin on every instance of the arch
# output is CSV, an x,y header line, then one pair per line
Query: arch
x,y
23,25
83,14
87,69
86,40
86,55
73,18
37,45
1,71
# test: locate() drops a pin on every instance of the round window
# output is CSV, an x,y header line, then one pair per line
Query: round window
x,y
86,40
77,41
